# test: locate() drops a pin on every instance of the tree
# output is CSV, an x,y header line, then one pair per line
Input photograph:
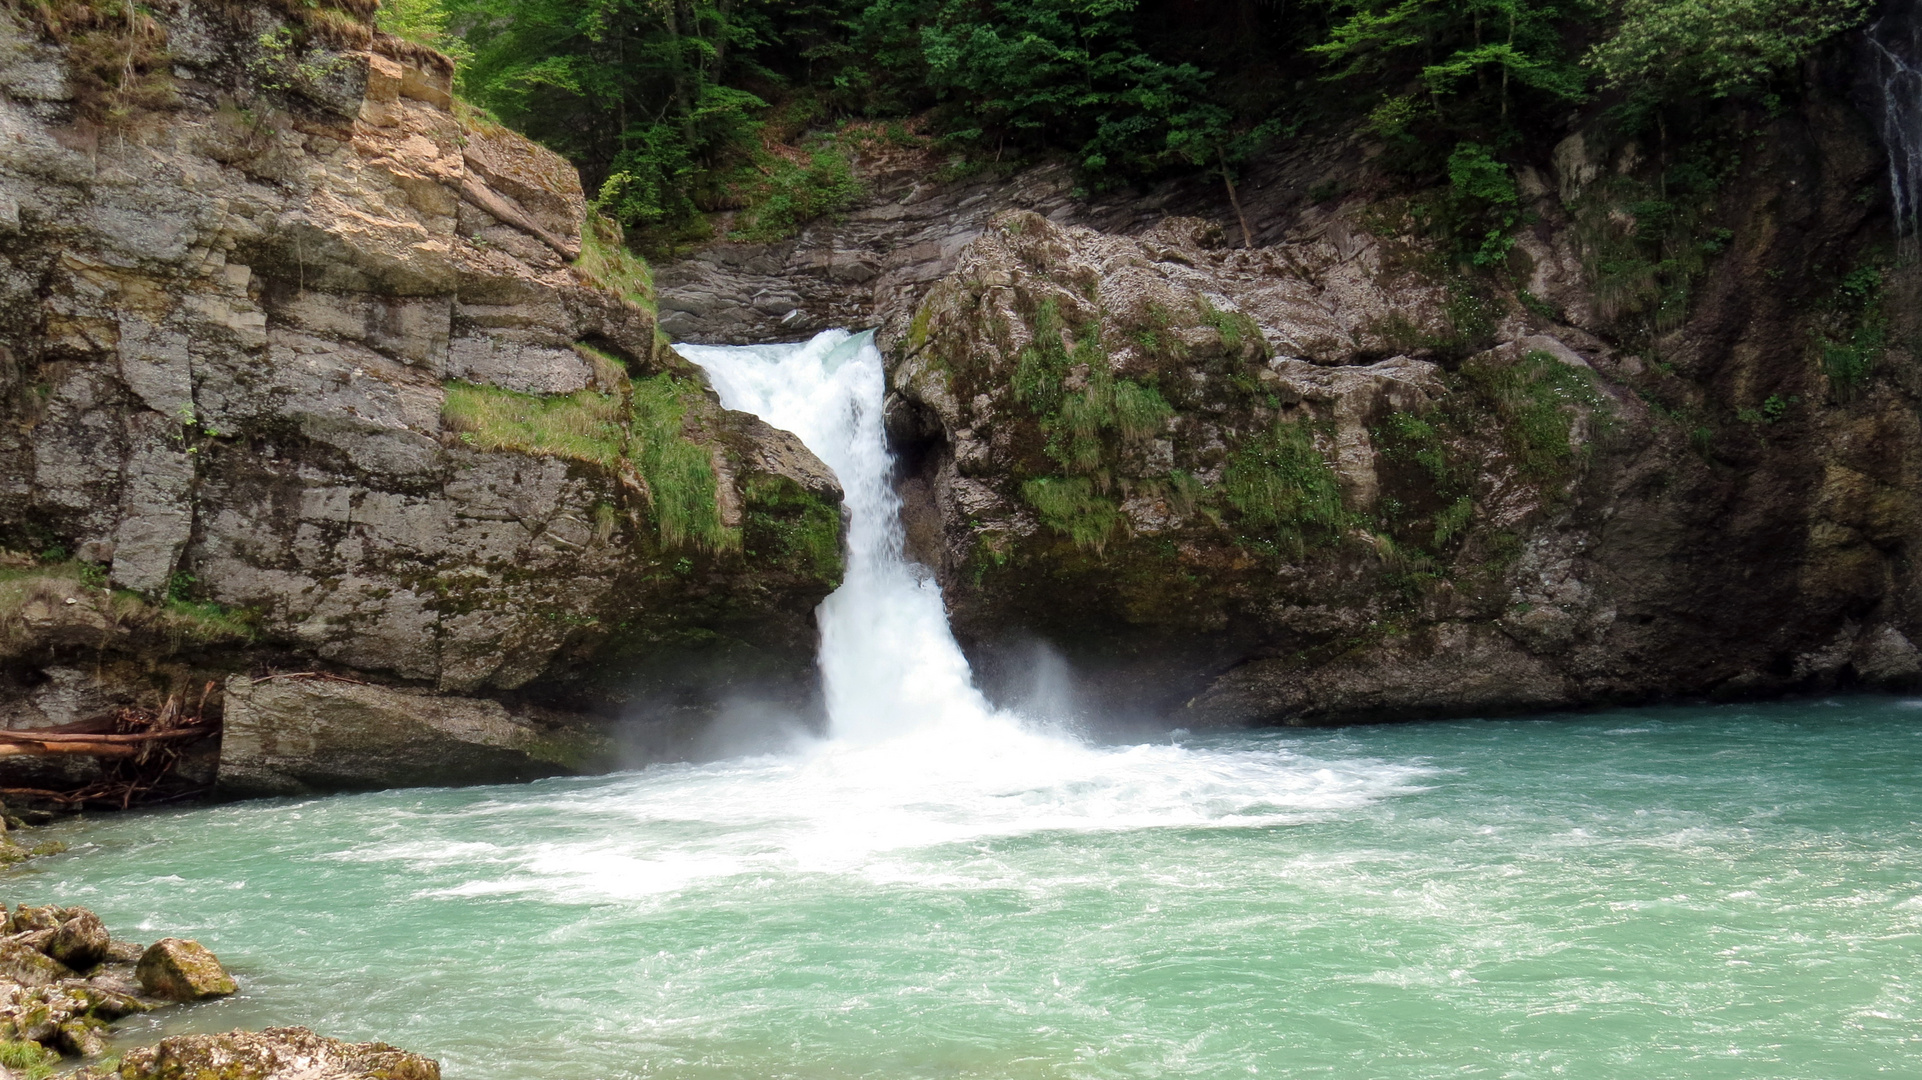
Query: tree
x,y
1670,49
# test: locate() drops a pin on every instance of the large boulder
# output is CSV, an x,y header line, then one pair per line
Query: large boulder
x,y
178,970
290,736
22,963
357,383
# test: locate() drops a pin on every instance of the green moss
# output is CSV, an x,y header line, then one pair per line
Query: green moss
x,y
582,426
1070,505
1234,327
1283,489
679,472
918,329
794,526
1537,398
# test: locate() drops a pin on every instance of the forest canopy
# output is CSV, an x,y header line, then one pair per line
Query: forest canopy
x,y
672,107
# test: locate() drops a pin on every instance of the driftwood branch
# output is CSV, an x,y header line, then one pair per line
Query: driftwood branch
x,y
484,197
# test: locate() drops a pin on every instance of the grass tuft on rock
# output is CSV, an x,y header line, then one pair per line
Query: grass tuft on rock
x,y
582,426
1537,398
606,262
679,472
1070,505
1283,489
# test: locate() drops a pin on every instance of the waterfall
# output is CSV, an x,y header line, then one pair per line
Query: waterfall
x,y
889,662
1894,49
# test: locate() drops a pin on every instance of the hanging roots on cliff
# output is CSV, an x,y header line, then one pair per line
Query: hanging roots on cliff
x,y
140,750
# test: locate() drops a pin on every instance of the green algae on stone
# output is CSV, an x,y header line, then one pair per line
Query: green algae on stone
x,y
181,970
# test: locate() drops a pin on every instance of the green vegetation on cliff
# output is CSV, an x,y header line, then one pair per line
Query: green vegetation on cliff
x,y
647,430
673,109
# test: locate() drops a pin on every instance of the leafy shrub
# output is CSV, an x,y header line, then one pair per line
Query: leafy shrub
x,y
1676,48
793,195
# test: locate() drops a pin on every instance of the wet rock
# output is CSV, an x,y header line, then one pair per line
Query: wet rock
x,y
246,346
80,1038
81,942
22,963
180,970
273,1054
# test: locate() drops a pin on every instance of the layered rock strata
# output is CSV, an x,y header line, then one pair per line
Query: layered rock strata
x,y
303,368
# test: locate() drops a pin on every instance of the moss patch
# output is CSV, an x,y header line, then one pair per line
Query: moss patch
x,y
794,527
1283,490
1070,505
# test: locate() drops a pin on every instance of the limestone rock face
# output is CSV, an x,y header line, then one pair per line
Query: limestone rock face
x,y
273,1054
180,970
293,736
1314,471
229,333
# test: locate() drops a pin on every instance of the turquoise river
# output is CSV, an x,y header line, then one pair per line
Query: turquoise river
x,y
1690,892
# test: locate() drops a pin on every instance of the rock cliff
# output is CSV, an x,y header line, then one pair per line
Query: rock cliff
x,y
1331,475
305,367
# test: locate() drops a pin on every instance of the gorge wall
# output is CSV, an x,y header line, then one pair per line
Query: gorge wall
x,y
308,375
1332,476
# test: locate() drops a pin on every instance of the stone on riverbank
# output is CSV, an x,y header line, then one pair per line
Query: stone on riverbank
x,y
274,1054
21,962
81,942
183,971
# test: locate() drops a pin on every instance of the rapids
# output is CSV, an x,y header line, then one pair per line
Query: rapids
x,y
940,889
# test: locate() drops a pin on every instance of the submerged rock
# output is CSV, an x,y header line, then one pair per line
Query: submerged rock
x,y
183,971
292,1053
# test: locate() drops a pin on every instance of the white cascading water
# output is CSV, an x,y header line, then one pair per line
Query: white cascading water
x,y
916,758
888,660
1894,44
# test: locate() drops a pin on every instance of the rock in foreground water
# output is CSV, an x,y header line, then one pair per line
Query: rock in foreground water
x,y
182,971
275,1054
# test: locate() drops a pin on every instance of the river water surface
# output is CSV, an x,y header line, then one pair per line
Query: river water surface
x,y
936,888
1729,892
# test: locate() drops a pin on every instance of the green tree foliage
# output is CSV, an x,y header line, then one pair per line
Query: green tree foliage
x,y
1469,68
1071,73
1671,48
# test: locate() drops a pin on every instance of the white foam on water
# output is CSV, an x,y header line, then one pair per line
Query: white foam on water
x,y
916,757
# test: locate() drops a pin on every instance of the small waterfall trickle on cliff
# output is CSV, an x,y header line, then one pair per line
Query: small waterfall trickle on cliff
x,y
1894,50
889,663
